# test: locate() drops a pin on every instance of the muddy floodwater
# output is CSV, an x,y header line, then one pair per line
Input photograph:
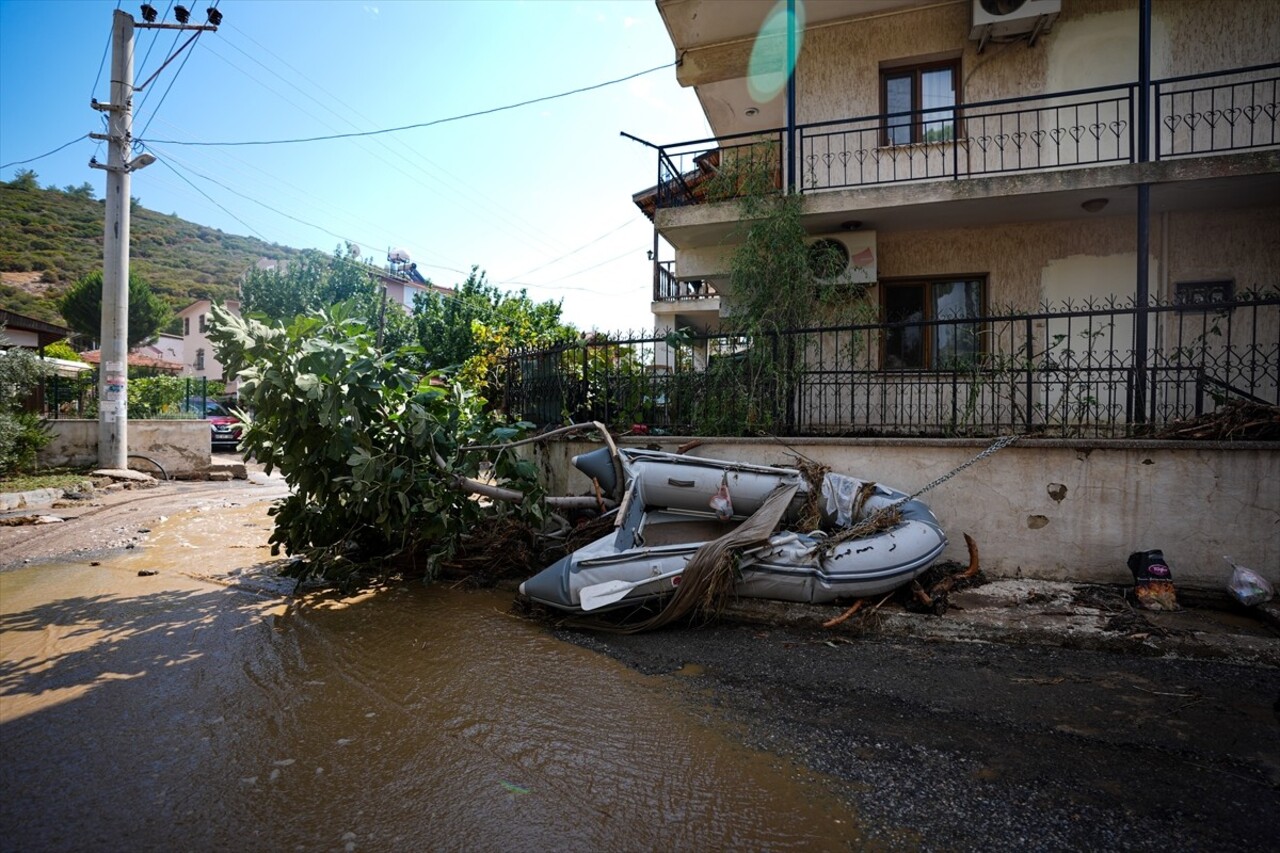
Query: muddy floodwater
x,y
168,712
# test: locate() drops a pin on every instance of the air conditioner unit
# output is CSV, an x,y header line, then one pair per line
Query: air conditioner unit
x,y
1005,19
846,257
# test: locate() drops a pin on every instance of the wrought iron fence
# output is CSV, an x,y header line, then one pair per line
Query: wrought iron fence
x,y
181,397
69,397
1065,371
1215,112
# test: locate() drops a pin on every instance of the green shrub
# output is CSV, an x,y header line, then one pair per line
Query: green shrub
x,y
22,434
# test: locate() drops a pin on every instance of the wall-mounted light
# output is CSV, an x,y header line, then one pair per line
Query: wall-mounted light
x,y
650,254
1093,205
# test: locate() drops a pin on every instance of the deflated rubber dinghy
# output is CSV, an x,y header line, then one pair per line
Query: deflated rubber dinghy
x,y
673,505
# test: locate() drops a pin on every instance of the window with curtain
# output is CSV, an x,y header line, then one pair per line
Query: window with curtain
x,y
946,345
928,93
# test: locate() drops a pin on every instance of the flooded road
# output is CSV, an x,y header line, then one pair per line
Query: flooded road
x,y
168,712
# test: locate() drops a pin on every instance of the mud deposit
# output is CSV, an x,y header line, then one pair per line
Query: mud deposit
x,y
168,712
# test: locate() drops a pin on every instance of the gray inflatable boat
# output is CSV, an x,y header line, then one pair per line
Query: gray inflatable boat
x,y
674,504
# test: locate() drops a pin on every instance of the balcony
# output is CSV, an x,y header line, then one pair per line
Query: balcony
x,y
1222,112
668,288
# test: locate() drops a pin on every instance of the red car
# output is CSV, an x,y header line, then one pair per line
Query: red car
x,y
225,427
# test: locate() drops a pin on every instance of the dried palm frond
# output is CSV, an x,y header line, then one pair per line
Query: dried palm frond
x,y
811,513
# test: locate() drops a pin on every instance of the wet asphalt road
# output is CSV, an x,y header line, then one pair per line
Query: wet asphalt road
x,y
965,746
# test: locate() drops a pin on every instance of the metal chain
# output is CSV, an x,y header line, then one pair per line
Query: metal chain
x,y
872,520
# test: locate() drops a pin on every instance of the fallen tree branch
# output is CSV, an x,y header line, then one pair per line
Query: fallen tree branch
x,y
498,493
843,617
973,557
604,431
596,425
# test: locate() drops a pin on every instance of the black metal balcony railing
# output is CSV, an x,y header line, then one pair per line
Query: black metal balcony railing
x,y
1088,127
1208,113
668,288
1218,112
1071,371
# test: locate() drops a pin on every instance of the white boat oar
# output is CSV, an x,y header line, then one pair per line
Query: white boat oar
x,y
598,595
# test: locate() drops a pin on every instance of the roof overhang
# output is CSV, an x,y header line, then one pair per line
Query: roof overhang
x,y
46,333
714,41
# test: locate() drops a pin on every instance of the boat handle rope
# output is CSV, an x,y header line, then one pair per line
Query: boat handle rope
x,y
826,546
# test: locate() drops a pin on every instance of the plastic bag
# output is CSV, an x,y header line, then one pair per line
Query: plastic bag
x,y
1247,586
838,492
721,502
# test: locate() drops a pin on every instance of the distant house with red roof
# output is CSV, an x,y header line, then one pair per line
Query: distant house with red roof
x,y
140,360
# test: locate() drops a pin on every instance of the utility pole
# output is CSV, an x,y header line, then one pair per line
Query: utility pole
x,y
113,368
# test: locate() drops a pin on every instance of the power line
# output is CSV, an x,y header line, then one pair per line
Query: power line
x,y
547,286
271,184
341,237
146,96
194,41
259,203
46,154
155,36
575,251
102,63
465,194
574,274
463,200
189,43
211,200
425,123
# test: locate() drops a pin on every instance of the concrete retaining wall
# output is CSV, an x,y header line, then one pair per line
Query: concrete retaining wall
x,y
1050,509
182,447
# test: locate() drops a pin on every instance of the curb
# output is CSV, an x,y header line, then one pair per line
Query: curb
x,y
35,499
1012,625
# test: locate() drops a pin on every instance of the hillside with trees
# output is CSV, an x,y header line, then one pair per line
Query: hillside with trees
x,y
54,236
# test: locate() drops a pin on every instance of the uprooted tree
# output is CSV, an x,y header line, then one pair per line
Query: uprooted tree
x,y
376,455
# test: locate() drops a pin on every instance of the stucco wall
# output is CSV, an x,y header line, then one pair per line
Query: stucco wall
x,y
1092,43
182,447
1029,262
1052,509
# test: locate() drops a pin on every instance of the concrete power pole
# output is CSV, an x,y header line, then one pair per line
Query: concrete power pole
x,y
113,369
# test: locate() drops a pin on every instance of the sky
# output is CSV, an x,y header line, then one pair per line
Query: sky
x,y
538,197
